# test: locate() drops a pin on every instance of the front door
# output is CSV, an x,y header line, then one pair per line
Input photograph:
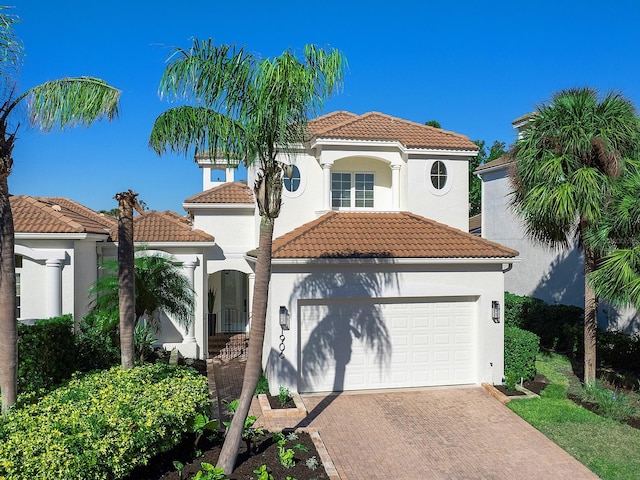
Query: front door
x,y
234,301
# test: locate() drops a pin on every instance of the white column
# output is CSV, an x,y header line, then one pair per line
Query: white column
x,y
252,284
395,187
189,268
326,186
54,286
229,174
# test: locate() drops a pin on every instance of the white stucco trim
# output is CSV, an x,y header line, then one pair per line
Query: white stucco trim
x,y
219,206
44,254
391,144
172,244
61,236
391,261
495,168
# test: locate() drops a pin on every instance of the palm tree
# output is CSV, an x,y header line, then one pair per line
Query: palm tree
x,y
617,278
246,108
573,149
160,286
59,103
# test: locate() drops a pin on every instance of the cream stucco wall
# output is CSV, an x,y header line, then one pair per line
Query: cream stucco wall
x,y
451,206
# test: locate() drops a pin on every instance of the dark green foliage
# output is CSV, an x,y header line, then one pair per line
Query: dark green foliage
x,y
619,351
263,385
96,349
520,350
46,353
496,150
559,327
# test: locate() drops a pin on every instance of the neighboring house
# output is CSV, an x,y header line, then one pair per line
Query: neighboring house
x,y
554,275
375,277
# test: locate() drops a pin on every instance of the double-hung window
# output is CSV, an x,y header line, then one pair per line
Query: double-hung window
x,y
352,190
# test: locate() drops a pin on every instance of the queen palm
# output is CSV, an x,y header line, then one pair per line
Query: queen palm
x,y
246,108
54,104
573,149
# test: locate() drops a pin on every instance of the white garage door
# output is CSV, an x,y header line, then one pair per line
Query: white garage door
x,y
352,344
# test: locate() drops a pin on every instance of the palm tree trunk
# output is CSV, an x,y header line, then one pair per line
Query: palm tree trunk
x,y
126,277
8,322
229,453
590,317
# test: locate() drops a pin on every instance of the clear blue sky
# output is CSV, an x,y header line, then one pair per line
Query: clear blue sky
x,y
472,65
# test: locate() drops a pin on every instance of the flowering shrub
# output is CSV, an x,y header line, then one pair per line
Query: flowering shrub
x,y
103,425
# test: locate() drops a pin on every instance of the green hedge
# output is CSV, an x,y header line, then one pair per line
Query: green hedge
x,y
46,353
103,425
520,350
560,327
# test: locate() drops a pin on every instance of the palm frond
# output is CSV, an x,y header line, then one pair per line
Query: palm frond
x,y
179,129
11,48
71,101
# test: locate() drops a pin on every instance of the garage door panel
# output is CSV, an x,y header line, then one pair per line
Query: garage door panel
x,y
432,343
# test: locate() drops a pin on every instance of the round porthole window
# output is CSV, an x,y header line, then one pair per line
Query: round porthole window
x,y
292,184
438,177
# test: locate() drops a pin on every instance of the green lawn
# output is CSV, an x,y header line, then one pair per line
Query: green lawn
x,y
606,447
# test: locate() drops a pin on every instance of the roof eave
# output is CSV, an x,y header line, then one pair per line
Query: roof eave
x,y
395,261
60,236
217,206
322,142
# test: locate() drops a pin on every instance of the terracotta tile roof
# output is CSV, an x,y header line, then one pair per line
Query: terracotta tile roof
x,y
378,126
232,192
502,160
332,119
56,215
383,235
167,226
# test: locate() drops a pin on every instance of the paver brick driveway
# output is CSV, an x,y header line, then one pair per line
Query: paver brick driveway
x,y
442,433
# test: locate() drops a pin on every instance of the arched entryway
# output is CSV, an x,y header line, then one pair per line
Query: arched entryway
x,y
228,307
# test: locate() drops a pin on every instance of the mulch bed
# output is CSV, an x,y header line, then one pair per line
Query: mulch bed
x,y
162,467
275,403
536,386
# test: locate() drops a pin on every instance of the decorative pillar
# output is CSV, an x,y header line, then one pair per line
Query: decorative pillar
x,y
326,186
189,268
54,286
395,187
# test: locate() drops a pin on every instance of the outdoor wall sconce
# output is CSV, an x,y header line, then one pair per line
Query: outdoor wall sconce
x,y
495,311
284,318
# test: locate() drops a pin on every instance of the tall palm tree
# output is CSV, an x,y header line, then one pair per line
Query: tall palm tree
x,y
246,108
59,103
573,148
127,201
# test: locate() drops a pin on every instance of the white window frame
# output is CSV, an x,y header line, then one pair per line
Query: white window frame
x,y
352,191
449,181
301,187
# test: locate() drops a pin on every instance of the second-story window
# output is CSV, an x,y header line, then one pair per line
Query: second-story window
x,y
350,190
292,184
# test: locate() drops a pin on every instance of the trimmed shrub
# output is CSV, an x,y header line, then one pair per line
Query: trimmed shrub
x,y
96,349
520,350
46,353
560,327
103,425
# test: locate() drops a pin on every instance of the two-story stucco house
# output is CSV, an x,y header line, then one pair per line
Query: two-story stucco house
x,y
375,278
